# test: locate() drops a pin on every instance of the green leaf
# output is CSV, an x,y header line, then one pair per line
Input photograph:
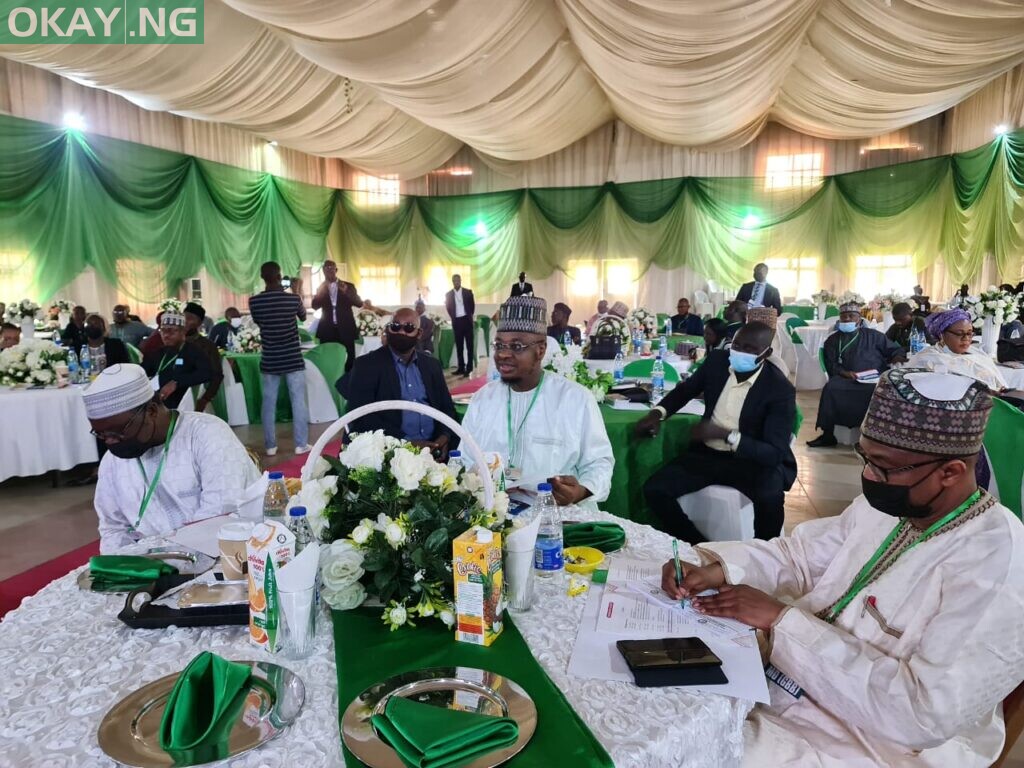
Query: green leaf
x,y
437,541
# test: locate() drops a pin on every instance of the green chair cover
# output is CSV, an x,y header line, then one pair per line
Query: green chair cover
x,y
795,322
800,310
483,322
330,360
444,345
305,336
662,317
642,369
134,353
831,311
821,360
1004,443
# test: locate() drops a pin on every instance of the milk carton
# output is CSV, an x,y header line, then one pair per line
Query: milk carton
x,y
268,549
476,569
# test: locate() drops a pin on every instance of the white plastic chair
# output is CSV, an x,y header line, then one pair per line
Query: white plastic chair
x,y
720,513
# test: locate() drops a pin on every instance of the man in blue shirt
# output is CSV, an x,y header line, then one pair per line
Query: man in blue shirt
x,y
684,322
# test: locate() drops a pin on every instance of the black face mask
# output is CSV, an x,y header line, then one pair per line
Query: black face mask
x,y
895,499
401,343
129,449
92,332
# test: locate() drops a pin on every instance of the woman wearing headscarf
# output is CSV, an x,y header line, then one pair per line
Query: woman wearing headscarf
x,y
953,352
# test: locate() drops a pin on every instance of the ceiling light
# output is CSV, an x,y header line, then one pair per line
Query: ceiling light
x,y
1000,129
460,171
480,229
750,221
272,143
74,121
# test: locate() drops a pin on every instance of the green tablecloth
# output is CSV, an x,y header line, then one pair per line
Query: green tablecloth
x,y
560,732
803,312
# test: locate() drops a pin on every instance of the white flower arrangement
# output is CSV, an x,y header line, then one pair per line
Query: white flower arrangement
x,y
999,305
368,324
62,305
32,362
610,325
248,338
645,320
568,362
172,305
847,297
823,297
25,308
884,302
440,321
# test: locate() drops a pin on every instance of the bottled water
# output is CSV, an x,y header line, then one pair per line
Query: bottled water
x,y
917,341
637,341
455,463
668,326
548,558
657,380
56,337
663,346
276,498
100,361
231,343
72,366
299,525
84,364
620,367
566,339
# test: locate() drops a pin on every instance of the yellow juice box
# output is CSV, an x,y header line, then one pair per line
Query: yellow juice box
x,y
269,548
476,569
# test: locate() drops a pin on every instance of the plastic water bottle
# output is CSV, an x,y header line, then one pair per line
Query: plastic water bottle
x,y
231,342
72,366
637,341
101,362
663,346
455,463
84,364
668,327
619,373
275,500
299,525
56,337
566,339
657,380
548,558
917,342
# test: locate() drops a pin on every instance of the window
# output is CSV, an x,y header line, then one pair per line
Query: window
x,y
376,190
611,279
381,285
438,281
196,289
796,277
15,276
788,171
875,274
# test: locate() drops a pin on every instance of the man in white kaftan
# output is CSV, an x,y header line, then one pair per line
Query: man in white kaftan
x,y
193,462
883,651
543,425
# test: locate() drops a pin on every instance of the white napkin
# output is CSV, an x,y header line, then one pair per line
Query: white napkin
x,y
519,546
250,502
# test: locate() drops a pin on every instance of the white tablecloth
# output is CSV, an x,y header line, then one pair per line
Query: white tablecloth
x,y
813,334
42,430
67,660
1014,377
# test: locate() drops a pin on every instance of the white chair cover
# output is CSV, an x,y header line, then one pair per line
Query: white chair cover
x,y
808,370
321,405
720,513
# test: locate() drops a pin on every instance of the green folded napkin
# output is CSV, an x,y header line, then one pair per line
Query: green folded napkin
x,y
606,537
202,709
425,736
124,572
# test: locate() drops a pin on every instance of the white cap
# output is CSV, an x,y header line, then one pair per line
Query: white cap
x,y
118,389
484,535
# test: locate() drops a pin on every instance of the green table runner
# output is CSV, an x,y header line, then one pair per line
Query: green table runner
x,y
561,735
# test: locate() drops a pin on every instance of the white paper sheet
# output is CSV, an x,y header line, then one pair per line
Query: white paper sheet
x,y
201,536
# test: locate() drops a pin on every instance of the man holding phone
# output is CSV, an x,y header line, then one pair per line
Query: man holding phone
x,y
895,628
336,299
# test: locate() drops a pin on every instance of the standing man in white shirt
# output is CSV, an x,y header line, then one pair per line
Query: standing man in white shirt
x,y
460,304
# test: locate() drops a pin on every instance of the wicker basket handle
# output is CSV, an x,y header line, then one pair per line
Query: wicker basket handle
x,y
479,463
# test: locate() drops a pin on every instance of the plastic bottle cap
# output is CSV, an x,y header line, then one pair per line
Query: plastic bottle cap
x,y
484,536
454,454
277,475
544,487
297,511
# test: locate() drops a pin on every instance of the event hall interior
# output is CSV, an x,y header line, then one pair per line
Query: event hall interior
x,y
721,299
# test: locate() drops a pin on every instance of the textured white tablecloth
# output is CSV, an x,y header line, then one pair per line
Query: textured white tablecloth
x,y
41,430
67,660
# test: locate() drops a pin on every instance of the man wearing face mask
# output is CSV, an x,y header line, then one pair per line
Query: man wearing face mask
x,y
741,442
397,371
851,353
893,628
177,365
221,331
127,330
163,469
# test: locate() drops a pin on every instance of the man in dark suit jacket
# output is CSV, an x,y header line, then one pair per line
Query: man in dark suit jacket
x,y
426,342
335,299
178,365
460,305
743,440
560,314
522,288
397,371
759,293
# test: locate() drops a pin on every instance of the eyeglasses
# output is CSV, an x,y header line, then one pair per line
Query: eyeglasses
x,y
516,347
962,335
119,436
407,327
886,472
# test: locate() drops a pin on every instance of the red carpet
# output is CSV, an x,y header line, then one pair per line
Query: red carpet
x,y
469,387
293,467
17,588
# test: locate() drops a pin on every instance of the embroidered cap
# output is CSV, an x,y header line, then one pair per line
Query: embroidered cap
x,y
172,319
943,414
619,309
850,306
524,314
117,389
766,315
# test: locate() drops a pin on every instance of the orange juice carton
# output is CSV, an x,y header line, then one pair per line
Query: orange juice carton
x,y
268,549
477,571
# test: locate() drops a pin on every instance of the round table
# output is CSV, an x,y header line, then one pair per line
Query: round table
x,y
43,430
67,660
813,334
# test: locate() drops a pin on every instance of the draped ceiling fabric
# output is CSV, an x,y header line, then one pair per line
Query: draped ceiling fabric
x,y
399,86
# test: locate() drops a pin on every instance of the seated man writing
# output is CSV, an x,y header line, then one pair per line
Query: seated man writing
x,y
397,371
545,427
742,441
894,628
163,469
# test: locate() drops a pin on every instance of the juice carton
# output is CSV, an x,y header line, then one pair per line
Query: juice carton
x,y
476,568
268,549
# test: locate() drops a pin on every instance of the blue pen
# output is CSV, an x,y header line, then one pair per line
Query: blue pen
x,y
679,571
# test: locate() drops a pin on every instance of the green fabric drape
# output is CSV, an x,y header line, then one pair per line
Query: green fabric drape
x,y
70,201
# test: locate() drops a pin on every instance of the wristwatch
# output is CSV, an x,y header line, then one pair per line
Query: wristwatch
x,y
733,439
660,410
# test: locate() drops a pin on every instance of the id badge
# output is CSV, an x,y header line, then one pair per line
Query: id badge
x,y
788,684
179,361
513,475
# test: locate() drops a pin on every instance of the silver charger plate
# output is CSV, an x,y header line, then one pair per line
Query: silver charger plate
x,y
465,688
187,562
130,731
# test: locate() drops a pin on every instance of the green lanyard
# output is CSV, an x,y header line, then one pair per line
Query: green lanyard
x,y
867,575
166,361
159,470
513,439
844,347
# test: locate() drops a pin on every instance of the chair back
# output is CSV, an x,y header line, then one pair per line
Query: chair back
x,y
821,361
641,369
1004,443
791,324
134,353
831,311
330,360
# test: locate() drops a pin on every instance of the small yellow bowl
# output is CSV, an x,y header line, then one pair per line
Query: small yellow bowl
x,y
582,559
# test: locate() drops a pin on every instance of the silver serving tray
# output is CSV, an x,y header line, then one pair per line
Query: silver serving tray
x,y
466,688
187,562
130,731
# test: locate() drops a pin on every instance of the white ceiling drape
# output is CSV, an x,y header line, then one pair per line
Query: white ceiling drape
x,y
399,86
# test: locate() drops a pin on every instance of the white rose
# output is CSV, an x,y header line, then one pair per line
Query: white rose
x,y
447,617
425,608
407,469
320,468
395,534
346,598
397,616
471,481
341,565
418,576
362,532
365,450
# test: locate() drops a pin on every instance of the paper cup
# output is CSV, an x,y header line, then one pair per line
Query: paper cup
x,y
231,540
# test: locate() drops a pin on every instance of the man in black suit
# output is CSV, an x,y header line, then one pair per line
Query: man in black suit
x,y
426,342
397,371
335,299
522,288
759,293
560,324
460,305
743,440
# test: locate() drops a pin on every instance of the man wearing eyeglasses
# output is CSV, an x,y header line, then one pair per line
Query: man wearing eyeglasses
x,y
894,629
163,469
397,371
545,427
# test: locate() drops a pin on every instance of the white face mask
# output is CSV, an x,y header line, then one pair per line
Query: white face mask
x,y
236,322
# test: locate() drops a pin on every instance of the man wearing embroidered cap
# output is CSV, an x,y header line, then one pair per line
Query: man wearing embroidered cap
x,y
176,366
545,427
163,469
895,628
